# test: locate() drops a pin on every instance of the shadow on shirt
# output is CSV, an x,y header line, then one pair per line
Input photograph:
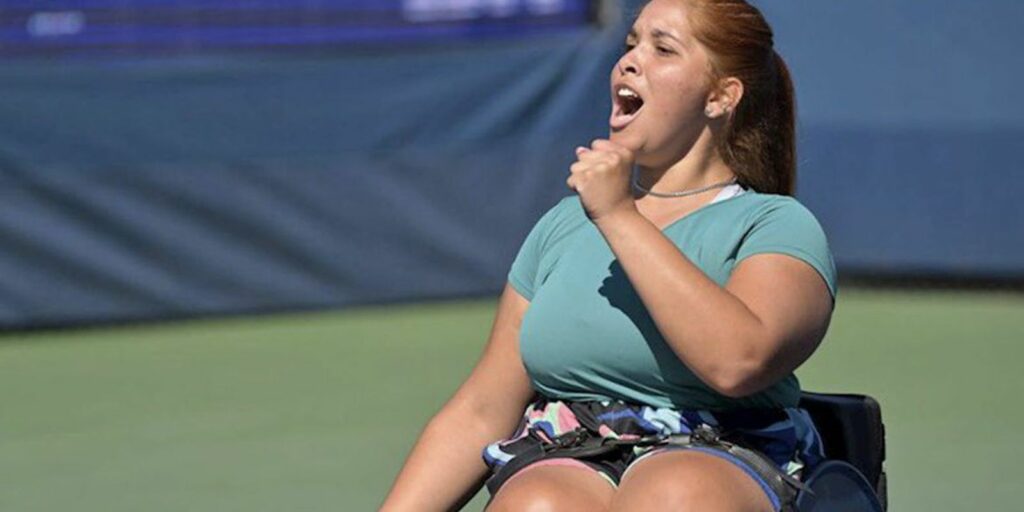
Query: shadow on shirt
x,y
620,294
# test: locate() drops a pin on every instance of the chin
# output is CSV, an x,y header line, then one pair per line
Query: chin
x,y
645,157
632,141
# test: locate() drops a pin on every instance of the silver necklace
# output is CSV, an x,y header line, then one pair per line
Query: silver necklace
x,y
681,193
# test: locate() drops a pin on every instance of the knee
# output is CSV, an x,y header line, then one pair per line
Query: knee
x,y
677,486
687,481
526,496
546,489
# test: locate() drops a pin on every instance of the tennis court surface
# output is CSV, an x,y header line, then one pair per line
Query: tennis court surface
x,y
316,411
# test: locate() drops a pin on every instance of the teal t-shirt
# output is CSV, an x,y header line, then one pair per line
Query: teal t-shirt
x,y
587,335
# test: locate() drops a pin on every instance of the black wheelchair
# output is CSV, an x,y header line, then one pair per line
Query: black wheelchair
x,y
852,479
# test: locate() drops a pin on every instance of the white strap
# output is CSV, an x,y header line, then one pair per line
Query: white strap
x,y
727,192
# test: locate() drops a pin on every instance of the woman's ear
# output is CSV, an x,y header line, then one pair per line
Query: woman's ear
x,y
724,99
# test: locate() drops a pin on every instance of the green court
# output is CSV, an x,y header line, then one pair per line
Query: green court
x,y
316,411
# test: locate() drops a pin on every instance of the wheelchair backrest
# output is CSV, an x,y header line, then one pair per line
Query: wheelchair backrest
x,y
852,430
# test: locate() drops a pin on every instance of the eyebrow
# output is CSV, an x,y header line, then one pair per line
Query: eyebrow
x,y
659,34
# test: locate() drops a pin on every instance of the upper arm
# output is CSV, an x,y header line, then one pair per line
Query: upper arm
x,y
498,389
793,304
785,275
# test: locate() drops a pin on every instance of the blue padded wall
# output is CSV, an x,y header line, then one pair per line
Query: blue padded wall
x,y
204,183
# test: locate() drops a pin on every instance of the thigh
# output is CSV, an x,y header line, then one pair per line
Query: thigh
x,y
688,480
554,485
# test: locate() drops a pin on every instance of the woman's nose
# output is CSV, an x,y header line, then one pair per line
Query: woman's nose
x,y
628,64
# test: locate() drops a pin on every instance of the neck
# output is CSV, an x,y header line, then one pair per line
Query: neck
x,y
694,170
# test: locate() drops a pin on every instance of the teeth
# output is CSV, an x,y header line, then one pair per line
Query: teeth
x,y
626,92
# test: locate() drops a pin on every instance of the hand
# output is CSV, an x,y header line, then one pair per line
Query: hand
x,y
601,176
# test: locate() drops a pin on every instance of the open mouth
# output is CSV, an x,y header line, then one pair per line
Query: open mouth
x,y
625,107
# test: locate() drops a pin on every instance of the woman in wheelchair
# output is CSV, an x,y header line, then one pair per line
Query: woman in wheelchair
x,y
643,350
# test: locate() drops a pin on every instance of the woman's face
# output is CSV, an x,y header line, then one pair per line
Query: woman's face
x,y
659,86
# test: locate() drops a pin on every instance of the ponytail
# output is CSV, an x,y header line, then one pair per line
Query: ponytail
x,y
759,142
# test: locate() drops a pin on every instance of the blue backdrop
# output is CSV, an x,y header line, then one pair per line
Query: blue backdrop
x,y
197,181
91,27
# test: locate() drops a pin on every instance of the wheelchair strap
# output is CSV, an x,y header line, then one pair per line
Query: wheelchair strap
x,y
580,443
785,486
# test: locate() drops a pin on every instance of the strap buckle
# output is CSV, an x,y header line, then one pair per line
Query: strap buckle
x,y
571,439
706,435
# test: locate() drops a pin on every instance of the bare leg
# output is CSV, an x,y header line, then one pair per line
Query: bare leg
x,y
554,488
687,481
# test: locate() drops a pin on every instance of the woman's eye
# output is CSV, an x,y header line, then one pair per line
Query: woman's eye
x,y
627,47
664,50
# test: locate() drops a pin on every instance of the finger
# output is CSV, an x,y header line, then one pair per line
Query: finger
x,y
607,145
593,156
571,182
580,150
579,167
596,158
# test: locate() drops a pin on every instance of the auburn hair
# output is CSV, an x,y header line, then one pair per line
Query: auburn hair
x,y
759,143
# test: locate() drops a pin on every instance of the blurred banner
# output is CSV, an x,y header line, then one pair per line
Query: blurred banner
x,y
197,179
212,182
136,26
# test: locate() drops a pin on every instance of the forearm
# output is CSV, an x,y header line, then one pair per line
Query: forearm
x,y
709,328
444,469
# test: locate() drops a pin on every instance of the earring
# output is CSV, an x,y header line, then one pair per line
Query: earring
x,y
708,111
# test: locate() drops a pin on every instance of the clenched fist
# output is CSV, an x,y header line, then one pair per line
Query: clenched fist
x,y
601,176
